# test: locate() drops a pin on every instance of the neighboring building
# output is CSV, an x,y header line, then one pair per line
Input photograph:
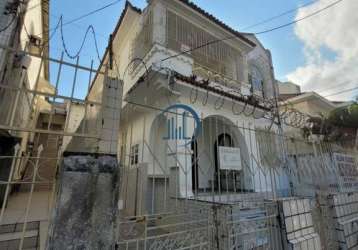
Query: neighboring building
x,y
314,111
285,88
23,76
21,73
309,103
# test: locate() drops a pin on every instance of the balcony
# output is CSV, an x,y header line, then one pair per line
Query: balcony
x,y
223,63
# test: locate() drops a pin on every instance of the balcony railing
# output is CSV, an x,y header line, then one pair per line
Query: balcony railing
x,y
219,57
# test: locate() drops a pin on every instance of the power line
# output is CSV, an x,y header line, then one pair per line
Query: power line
x,y
11,8
329,88
92,12
300,19
257,33
341,92
9,24
278,16
332,87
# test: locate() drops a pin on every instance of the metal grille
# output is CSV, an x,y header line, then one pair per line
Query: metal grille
x,y
242,203
39,121
217,57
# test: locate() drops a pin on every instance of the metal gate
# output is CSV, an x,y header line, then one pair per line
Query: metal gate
x,y
39,121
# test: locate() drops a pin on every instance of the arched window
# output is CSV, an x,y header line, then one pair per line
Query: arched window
x,y
225,140
256,81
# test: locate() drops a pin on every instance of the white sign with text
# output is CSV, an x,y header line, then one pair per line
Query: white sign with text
x,y
230,158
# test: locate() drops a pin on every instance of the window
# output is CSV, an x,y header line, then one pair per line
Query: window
x,y
256,80
134,154
219,57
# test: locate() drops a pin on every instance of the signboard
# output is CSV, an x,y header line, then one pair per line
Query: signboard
x,y
229,158
347,168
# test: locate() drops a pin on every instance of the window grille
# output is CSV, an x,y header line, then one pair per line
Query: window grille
x,y
256,80
219,57
134,154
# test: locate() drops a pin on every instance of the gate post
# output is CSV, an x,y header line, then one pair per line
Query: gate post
x,y
86,207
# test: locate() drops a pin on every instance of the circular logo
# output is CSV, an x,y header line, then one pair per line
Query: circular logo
x,y
177,125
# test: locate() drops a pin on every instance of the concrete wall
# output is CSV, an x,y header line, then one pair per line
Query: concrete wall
x,y
97,125
86,208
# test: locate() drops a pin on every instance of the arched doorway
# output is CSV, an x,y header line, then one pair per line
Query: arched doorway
x,y
223,140
219,131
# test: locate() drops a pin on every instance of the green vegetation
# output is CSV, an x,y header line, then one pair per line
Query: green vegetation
x,y
344,117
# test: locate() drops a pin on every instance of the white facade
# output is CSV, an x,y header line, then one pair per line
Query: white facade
x,y
22,70
158,72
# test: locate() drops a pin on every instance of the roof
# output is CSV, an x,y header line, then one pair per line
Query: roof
x,y
217,21
284,97
306,96
127,6
201,84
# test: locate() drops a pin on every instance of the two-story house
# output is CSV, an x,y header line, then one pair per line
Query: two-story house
x,y
194,92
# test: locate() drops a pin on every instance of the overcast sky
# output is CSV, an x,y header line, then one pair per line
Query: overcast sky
x,y
319,53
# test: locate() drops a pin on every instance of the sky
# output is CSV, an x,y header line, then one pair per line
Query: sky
x,y
320,53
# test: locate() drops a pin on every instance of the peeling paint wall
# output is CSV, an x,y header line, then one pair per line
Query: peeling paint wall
x,y
86,206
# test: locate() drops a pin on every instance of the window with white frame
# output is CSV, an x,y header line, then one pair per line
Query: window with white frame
x,y
134,155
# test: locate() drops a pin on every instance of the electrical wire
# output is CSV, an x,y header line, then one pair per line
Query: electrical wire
x,y
300,19
9,24
278,16
92,12
341,92
332,87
